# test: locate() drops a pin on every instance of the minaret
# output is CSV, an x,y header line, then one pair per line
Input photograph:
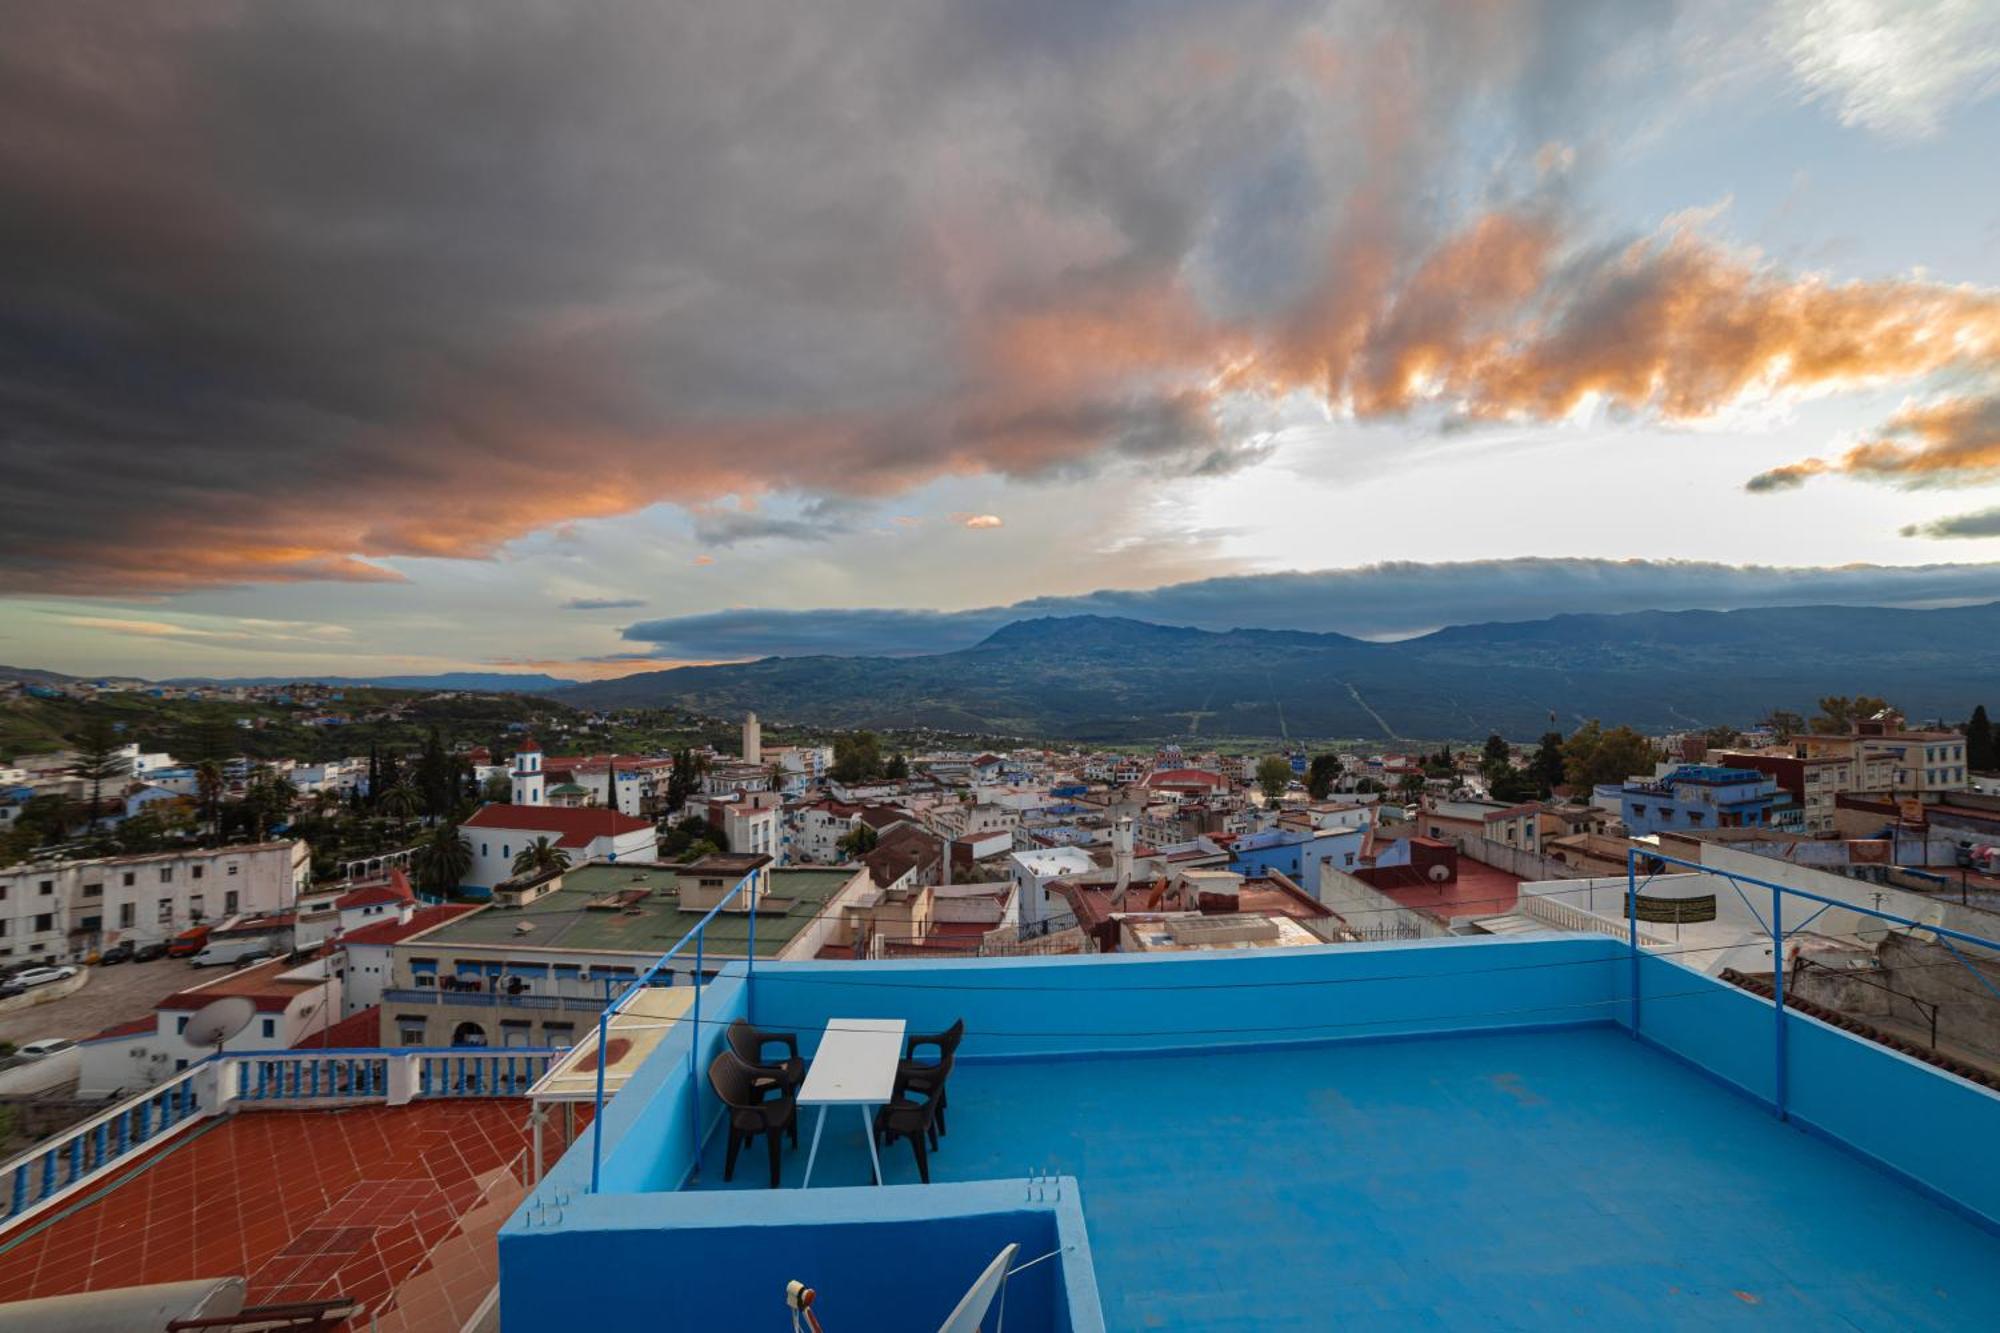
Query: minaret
x,y
753,740
527,774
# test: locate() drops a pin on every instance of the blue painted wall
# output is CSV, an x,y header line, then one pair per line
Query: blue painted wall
x,y
879,1258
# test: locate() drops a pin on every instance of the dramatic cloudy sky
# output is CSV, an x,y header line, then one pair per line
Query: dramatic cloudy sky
x,y
348,337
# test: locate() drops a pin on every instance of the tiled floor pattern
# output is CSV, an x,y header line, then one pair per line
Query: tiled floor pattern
x,y
305,1204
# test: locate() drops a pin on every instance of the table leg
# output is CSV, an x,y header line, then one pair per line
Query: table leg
x,y
813,1152
868,1128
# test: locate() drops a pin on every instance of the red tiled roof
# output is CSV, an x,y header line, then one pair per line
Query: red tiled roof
x,y
259,984
570,826
361,1029
1186,777
130,1028
389,932
394,889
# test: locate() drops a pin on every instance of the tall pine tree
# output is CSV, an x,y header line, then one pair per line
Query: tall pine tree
x,y
1980,755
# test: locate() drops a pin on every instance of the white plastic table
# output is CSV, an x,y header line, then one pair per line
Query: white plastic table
x,y
855,1066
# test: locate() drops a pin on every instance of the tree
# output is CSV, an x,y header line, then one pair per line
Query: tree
x,y
98,761
1784,724
1838,713
1495,755
538,856
1412,786
400,802
1274,774
1593,755
859,842
1980,753
497,789
1545,769
1722,737
677,841
1321,774
857,757
443,861
208,793
1511,785
683,779
897,769
435,777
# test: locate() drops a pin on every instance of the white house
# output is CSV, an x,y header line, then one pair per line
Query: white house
x,y
367,950
292,1003
67,909
498,833
1031,873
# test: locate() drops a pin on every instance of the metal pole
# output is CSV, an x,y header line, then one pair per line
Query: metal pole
x,y
1778,991
750,966
597,1113
694,1053
1632,926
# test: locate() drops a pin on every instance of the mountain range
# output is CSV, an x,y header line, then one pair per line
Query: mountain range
x,y
1097,678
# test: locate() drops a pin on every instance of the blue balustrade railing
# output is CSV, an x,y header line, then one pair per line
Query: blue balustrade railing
x,y
294,1078
697,936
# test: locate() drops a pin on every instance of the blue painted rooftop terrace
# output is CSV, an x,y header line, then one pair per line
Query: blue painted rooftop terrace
x,y
1455,1134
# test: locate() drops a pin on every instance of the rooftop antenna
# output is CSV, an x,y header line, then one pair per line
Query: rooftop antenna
x,y
220,1020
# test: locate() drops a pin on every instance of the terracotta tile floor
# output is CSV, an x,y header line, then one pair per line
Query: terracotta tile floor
x,y
305,1204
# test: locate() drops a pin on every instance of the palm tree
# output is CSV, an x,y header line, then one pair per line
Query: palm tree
x,y
400,801
208,784
444,860
540,855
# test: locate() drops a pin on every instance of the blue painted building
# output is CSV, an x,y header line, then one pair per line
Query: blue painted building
x,y
1296,854
1698,796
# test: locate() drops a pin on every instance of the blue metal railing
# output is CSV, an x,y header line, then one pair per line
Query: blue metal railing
x,y
698,934
1775,928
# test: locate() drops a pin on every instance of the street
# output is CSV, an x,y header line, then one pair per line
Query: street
x,y
114,994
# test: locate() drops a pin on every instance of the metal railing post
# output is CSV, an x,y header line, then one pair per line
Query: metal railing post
x,y
750,963
1632,927
597,1114
694,1054
1778,1097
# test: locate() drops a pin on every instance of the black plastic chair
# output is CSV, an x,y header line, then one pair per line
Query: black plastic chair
x,y
753,1110
748,1043
904,1118
927,1077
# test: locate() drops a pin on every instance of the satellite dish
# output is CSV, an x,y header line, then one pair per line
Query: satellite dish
x,y
219,1021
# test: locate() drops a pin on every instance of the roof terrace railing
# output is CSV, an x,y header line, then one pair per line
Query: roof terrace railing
x,y
37,1180
698,935
1776,928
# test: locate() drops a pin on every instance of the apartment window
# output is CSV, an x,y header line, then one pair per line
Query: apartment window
x,y
195,872
270,1028
559,1034
131,878
166,911
46,888
514,1032
229,901
45,921
233,867
4,923
181,1024
482,849
92,924
166,874
126,915
194,907
410,1029
93,890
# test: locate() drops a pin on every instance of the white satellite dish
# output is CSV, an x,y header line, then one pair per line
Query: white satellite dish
x,y
220,1020
970,1311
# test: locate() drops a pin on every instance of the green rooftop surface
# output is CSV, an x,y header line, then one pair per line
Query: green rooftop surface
x,y
562,920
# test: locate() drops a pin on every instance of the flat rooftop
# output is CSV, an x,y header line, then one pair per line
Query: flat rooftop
x,y
1505,1180
565,920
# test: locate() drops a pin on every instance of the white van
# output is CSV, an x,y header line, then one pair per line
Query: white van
x,y
237,949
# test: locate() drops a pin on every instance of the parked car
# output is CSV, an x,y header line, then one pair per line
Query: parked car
x,y
150,950
121,952
44,1047
42,976
10,988
246,949
188,943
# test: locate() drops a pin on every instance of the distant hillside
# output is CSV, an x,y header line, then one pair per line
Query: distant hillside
x,y
486,682
1103,679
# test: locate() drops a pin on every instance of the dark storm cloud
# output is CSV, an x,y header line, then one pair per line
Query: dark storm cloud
x,y
1375,601
1978,523
293,287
